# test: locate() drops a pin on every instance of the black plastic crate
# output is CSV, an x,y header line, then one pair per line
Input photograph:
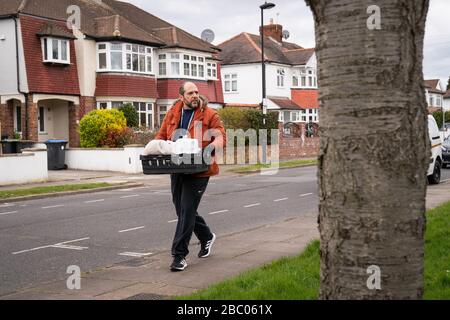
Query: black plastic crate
x,y
167,164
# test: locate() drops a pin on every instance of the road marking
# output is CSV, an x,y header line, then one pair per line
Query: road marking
x,y
282,199
132,229
7,205
252,205
135,254
61,245
93,201
5,213
131,196
172,221
305,194
221,211
50,207
64,246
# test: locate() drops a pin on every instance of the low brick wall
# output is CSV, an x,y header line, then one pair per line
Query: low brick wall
x,y
294,148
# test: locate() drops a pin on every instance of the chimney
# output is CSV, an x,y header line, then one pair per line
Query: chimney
x,y
273,30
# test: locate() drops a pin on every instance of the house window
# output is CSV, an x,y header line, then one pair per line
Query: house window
x,y
18,119
56,50
295,116
162,69
211,70
310,81
187,68
295,81
175,67
145,112
162,113
280,116
41,120
103,105
438,101
230,82
116,56
280,77
431,101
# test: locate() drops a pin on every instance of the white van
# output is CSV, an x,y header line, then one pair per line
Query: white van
x,y
434,170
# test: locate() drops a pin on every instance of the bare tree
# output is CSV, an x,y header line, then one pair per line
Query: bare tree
x,y
374,147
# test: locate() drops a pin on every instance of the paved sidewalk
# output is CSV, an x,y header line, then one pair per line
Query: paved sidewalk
x,y
150,278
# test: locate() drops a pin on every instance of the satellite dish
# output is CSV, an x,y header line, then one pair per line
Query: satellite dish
x,y
208,35
286,34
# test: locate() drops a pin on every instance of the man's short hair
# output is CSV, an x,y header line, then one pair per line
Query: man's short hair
x,y
181,90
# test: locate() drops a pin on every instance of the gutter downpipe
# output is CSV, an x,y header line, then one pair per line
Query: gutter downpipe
x,y
18,77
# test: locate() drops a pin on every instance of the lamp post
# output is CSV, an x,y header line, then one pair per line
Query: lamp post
x,y
266,5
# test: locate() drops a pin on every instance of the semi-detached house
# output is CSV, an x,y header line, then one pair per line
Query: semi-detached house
x,y
51,76
291,75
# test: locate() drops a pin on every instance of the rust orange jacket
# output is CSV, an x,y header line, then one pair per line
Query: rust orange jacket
x,y
212,130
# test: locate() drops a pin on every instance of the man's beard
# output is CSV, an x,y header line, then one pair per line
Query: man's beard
x,y
191,104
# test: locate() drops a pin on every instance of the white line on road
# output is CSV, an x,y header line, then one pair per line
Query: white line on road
x,y
7,205
132,229
305,194
51,207
252,205
5,213
93,201
130,196
282,199
221,211
135,254
172,221
56,245
63,246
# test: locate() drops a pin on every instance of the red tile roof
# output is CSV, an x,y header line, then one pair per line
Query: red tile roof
x,y
306,98
246,48
285,103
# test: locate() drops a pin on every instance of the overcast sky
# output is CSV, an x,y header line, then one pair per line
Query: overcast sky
x,y
231,17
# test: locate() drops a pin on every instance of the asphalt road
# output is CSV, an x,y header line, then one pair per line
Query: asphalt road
x,y
39,239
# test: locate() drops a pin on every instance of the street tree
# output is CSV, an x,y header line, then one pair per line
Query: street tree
x,y
374,148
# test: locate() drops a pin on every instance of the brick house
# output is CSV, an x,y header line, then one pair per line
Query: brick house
x,y
291,75
51,76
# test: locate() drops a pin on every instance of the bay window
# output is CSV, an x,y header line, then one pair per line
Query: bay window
x,y
117,56
145,112
56,50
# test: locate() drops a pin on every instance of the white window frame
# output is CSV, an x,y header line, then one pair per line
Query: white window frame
x,y
211,70
127,50
280,116
295,116
148,111
307,77
280,77
230,79
47,47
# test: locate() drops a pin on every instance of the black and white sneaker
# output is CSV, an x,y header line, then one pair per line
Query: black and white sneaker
x,y
206,247
179,264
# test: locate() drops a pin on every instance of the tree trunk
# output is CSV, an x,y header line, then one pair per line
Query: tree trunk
x,y
374,149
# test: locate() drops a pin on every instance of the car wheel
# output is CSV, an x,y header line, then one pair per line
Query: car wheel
x,y
435,178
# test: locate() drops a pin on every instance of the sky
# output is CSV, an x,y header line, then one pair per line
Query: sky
x,y
231,17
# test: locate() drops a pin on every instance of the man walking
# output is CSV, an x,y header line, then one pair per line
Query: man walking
x,y
187,189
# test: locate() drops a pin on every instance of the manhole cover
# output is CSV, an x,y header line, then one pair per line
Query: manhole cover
x,y
146,296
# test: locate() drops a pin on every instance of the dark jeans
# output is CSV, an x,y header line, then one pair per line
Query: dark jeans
x,y
187,191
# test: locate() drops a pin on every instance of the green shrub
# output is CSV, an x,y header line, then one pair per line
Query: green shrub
x,y
233,118
438,117
97,125
130,114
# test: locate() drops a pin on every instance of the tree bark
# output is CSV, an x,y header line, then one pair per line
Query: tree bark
x,y
374,150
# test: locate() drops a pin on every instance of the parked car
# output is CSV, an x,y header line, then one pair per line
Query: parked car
x,y
434,170
446,152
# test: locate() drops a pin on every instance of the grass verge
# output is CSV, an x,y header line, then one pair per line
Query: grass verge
x,y
284,164
297,278
6,194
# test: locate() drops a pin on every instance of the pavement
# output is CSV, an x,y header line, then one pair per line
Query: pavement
x,y
149,277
